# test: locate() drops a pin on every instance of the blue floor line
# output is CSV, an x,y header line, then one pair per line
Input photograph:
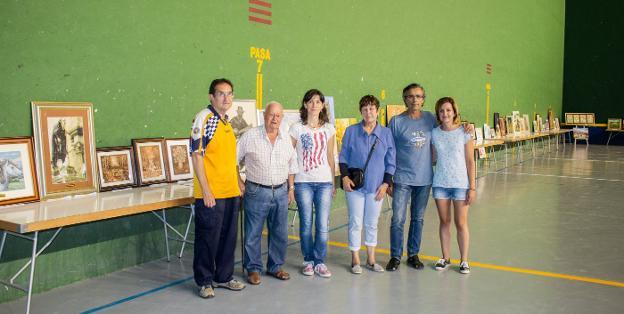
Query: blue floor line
x,y
171,284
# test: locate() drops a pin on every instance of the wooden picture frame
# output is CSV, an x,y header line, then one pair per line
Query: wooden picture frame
x,y
179,160
151,165
18,174
65,147
116,168
614,124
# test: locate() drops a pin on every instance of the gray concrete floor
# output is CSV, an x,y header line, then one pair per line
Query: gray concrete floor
x,y
543,233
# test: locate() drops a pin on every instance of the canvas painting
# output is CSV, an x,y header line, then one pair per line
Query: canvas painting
x,y
341,127
614,124
65,146
179,160
18,179
150,161
394,110
115,167
329,104
242,116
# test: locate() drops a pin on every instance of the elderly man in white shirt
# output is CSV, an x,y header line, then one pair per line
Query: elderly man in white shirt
x,y
271,163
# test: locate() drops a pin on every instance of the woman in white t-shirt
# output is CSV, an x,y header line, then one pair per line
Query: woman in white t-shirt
x,y
314,138
453,181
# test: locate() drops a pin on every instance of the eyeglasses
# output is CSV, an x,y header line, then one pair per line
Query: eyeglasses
x,y
415,96
223,95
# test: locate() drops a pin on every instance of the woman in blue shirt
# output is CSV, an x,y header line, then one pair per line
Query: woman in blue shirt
x,y
364,204
453,181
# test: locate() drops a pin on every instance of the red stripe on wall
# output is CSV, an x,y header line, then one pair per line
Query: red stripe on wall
x,y
260,20
260,3
259,11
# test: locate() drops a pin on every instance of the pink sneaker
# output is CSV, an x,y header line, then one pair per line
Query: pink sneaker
x,y
322,270
308,269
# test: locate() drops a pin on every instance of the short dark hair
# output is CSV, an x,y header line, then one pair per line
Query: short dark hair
x,y
216,82
412,86
368,100
303,112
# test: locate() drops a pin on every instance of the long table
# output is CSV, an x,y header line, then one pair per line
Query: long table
x,y
27,220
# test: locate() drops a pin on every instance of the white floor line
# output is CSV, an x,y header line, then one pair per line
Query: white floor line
x,y
559,176
592,160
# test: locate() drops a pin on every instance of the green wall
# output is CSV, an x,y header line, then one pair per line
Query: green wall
x,y
146,66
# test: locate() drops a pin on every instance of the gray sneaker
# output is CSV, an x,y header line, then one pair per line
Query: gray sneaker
x,y
233,285
356,269
375,267
206,292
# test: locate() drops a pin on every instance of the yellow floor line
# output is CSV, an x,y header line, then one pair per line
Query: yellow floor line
x,y
495,267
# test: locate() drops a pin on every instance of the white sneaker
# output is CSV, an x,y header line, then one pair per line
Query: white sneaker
x,y
206,292
442,264
321,270
308,269
375,267
356,269
464,268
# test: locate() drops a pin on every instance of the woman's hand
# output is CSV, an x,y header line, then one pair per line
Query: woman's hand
x,y
347,184
471,196
381,191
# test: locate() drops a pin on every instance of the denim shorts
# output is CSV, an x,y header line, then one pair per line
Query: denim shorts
x,y
440,193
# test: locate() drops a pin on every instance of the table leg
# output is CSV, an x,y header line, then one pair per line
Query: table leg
x,y
186,232
32,270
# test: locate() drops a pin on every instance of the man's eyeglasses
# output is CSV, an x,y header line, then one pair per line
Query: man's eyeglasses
x,y
222,94
415,96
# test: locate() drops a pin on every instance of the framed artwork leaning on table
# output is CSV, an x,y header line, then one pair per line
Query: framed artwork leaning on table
x,y
18,176
64,147
151,164
178,159
614,124
115,168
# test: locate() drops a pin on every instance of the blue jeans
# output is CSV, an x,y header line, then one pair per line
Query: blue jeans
x,y
319,194
364,211
456,194
419,197
271,205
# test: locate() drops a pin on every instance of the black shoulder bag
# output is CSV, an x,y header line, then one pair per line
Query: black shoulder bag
x,y
356,174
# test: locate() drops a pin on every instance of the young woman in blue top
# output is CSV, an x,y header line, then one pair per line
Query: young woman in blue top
x,y
453,181
364,204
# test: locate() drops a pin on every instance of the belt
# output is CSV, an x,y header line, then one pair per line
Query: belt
x,y
271,187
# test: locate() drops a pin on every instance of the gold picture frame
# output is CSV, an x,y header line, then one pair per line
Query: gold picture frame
x,y
115,168
18,174
65,147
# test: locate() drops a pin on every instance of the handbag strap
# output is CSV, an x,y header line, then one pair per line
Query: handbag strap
x,y
369,154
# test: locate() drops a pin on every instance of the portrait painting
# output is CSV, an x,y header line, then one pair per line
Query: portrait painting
x,y
242,116
18,179
150,161
115,167
179,159
65,147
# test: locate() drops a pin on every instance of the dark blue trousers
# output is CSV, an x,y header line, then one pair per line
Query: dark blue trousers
x,y
216,229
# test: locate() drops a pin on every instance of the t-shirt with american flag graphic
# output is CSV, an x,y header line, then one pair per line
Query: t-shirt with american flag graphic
x,y
312,145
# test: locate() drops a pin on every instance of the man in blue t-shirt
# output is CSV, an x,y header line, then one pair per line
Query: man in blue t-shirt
x,y
413,176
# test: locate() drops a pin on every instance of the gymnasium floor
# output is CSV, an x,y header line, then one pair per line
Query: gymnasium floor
x,y
546,237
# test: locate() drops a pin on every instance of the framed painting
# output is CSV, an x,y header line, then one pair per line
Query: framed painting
x,y
18,177
178,159
243,115
65,147
614,124
150,160
115,168
394,110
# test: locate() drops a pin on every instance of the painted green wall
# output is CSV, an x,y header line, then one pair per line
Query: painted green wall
x,y
146,66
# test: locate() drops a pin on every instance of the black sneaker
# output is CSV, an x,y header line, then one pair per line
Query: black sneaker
x,y
442,264
393,264
415,262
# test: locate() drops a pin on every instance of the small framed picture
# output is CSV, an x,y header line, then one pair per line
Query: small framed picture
x,y
590,118
115,168
614,124
150,159
18,177
242,116
65,147
178,159
569,118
